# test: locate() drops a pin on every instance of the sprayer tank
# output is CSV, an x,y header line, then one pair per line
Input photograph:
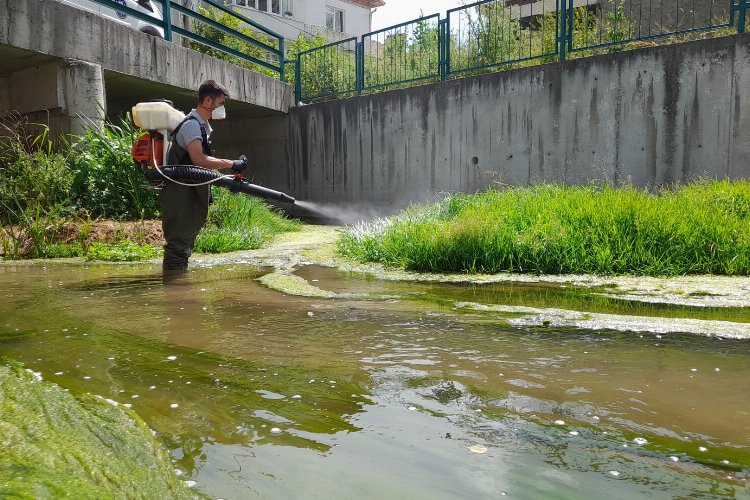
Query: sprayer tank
x,y
156,116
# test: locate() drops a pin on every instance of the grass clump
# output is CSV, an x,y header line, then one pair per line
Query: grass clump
x,y
701,227
124,251
106,184
236,222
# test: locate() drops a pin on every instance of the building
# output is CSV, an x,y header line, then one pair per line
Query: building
x,y
334,19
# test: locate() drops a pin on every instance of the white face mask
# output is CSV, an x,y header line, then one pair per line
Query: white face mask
x,y
219,113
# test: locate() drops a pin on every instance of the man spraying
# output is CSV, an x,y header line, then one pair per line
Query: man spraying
x,y
185,208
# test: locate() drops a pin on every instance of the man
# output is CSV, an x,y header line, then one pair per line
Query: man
x,y
184,208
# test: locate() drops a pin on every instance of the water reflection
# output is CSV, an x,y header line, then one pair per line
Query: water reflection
x,y
399,389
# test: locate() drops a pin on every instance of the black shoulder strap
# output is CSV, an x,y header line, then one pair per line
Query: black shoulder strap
x,y
178,127
204,135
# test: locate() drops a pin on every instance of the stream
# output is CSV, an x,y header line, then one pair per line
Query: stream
x,y
376,388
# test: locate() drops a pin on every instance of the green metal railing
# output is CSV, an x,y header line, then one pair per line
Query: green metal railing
x,y
403,54
329,70
264,48
490,35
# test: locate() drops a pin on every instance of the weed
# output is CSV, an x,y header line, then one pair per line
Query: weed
x,y
123,251
105,182
702,227
237,222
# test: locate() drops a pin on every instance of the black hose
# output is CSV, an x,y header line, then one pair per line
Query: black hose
x,y
190,174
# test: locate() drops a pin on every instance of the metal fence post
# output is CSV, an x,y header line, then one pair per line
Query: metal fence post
x,y
443,44
298,81
741,7
282,59
359,67
561,27
167,15
564,20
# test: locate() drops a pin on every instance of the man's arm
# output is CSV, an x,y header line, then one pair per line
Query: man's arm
x,y
200,159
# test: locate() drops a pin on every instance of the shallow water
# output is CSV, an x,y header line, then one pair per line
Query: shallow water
x,y
398,390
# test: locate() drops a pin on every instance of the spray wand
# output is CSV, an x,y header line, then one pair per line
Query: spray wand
x,y
192,175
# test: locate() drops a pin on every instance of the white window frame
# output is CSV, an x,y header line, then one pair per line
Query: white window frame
x,y
283,7
337,16
287,8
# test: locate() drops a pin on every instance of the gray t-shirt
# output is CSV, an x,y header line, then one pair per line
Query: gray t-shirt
x,y
191,130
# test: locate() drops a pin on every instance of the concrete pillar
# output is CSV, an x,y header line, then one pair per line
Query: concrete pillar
x,y
65,95
84,101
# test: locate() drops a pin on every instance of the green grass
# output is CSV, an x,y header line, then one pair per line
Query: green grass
x,y
124,251
121,251
238,222
702,227
235,222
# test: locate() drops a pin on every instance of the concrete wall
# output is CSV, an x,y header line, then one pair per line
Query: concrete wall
x,y
651,116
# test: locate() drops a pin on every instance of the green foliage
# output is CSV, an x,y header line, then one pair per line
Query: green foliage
x,y
231,41
238,222
703,227
34,190
328,70
31,180
125,250
304,43
32,177
106,183
62,250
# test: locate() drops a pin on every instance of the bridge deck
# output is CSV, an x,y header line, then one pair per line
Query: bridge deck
x,y
135,65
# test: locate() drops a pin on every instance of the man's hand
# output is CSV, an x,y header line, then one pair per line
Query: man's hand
x,y
240,164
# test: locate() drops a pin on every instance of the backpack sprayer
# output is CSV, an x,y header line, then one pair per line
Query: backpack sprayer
x,y
149,152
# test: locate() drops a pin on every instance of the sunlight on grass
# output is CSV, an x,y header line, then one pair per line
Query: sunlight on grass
x,y
702,227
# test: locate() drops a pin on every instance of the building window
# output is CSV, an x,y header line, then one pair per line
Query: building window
x,y
335,20
273,6
288,8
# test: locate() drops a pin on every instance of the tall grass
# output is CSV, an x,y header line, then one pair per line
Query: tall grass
x,y
106,183
34,187
702,227
238,222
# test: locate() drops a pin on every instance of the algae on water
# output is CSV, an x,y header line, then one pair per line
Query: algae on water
x,y
55,445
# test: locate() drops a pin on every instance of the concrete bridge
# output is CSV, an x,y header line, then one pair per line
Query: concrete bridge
x,y
59,64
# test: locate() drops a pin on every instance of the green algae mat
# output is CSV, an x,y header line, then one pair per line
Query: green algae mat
x,y
55,445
